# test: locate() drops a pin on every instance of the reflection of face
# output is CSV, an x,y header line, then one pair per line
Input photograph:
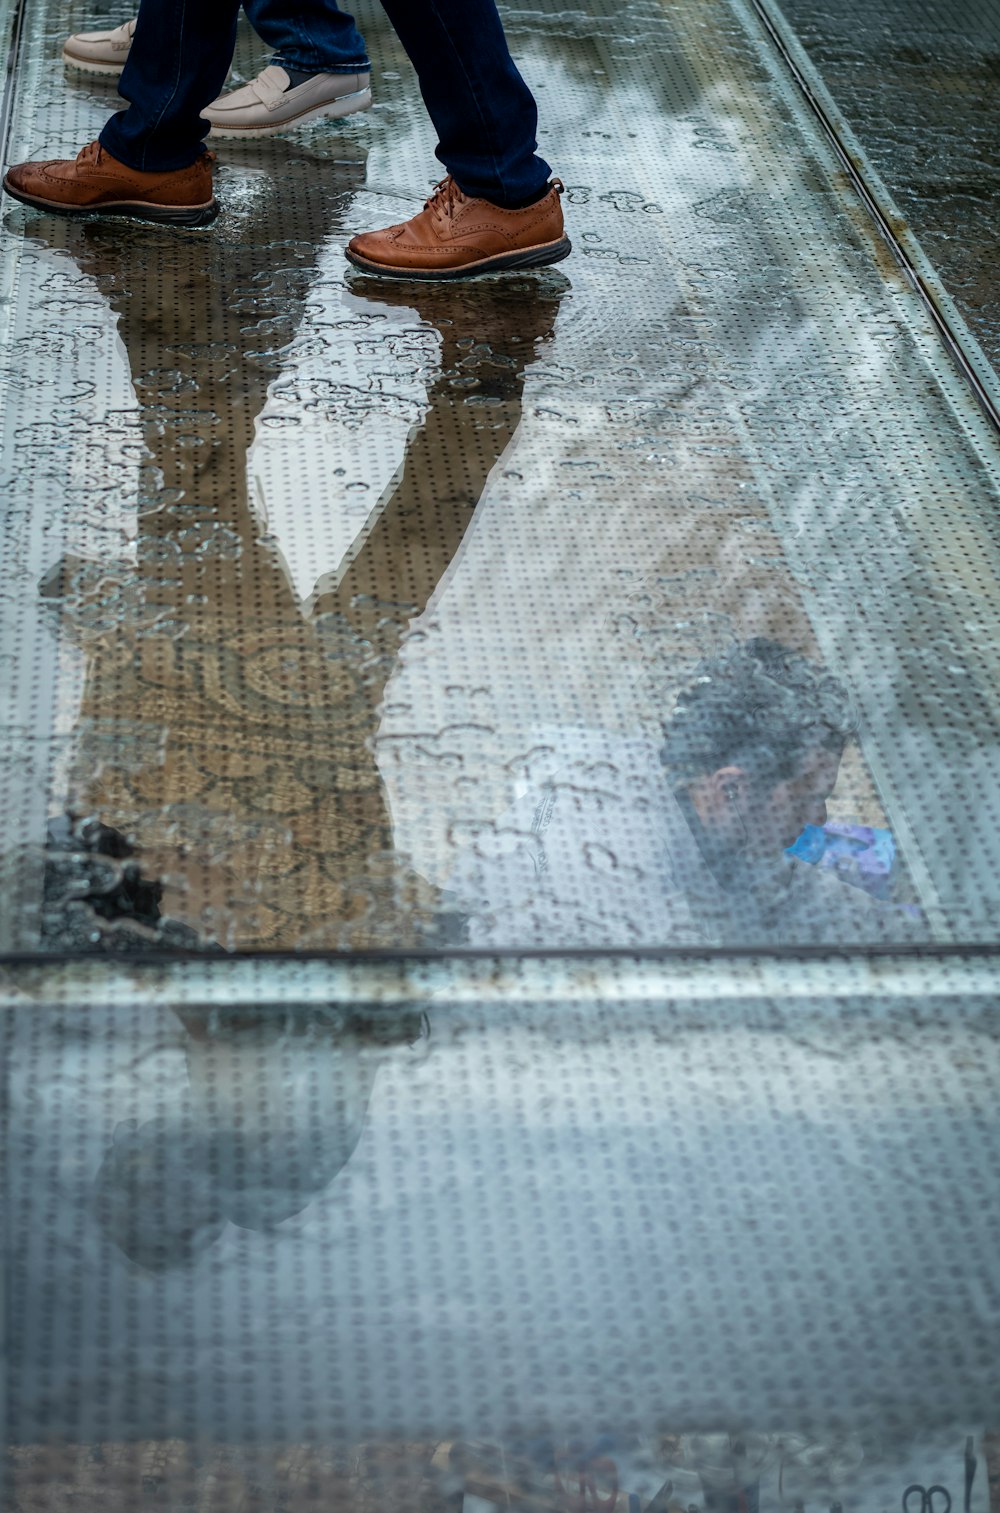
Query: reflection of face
x,y
775,817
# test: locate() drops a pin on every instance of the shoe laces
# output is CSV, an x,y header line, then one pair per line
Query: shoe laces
x,y
125,32
445,198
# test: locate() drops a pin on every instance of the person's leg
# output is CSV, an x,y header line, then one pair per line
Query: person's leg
x,y
177,64
496,211
180,49
482,110
311,36
320,69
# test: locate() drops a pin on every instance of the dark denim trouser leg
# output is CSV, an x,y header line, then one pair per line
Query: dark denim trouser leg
x,y
311,35
177,65
482,110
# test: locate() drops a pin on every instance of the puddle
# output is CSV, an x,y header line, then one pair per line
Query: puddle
x,y
290,547
615,1241
542,614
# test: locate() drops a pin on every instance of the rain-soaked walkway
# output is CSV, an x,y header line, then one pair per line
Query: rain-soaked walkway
x,y
316,585
344,617
919,84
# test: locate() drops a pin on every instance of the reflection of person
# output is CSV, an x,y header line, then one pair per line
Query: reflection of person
x,y
625,844
753,750
320,68
226,734
275,1110
495,210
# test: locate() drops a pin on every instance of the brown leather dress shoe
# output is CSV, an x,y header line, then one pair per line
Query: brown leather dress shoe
x,y
455,236
95,183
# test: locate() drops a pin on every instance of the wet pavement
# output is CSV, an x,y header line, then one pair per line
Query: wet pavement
x,y
255,1229
319,589
353,627
920,86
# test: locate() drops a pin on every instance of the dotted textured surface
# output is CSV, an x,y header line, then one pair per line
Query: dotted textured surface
x,y
339,615
241,1232
345,614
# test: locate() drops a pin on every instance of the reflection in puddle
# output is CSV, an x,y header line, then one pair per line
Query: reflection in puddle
x,y
576,1239
685,843
261,803
536,612
705,1473
308,566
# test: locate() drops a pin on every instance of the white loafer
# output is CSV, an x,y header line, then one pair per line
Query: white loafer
x,y
266,106
99,52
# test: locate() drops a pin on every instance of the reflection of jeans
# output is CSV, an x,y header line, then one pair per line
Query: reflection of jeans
x,y
311,35
481,108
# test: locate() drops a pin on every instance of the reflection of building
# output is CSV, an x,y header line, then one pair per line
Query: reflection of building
x,y
404,1476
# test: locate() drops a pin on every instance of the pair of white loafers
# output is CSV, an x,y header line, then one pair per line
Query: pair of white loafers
x,y
262,108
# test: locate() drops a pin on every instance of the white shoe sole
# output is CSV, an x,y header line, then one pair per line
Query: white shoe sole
x,y
345,105
108,70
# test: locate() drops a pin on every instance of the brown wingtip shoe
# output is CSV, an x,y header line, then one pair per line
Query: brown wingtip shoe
x,y
95,183
455,236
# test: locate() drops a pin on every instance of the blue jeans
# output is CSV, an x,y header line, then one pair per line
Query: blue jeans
x,y
311,35
481,108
